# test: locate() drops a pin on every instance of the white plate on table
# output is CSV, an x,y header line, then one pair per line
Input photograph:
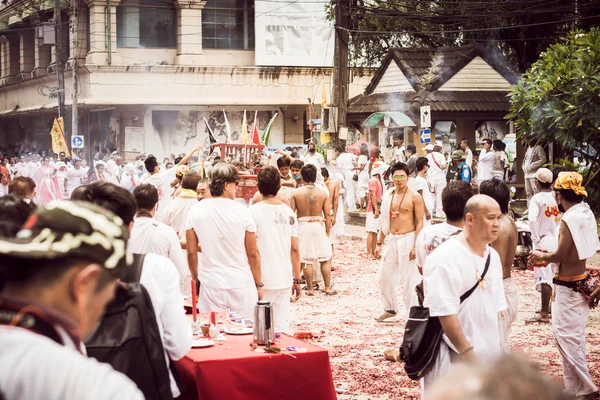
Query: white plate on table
x,y
239,331
202,343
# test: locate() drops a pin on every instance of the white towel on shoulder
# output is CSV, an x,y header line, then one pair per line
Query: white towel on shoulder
x,y
582,225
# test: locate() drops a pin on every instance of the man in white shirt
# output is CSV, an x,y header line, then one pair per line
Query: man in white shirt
x,y
277,240
148,235
544,220
176,212
53,301
454,198
159,276
421,186
464,145
471,327
577,241
398,149
485,162
225,232
535,157
437,176
313,156
345,162
75,176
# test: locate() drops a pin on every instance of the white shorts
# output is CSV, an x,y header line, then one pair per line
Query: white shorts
x,y
313,241
372,222
240,300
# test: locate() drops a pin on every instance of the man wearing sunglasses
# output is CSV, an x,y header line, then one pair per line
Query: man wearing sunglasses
x,y
401,221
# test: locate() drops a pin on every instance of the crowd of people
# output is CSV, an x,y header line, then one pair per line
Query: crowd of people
x,y
70,237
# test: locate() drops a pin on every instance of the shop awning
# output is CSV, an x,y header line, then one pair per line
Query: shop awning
x,y
375,119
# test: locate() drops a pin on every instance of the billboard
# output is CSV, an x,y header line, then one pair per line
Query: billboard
x,y
292,33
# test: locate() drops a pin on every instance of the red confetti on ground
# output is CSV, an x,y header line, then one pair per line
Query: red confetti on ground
x,y
356,342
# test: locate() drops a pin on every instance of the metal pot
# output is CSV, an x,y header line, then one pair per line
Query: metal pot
x,y
264,326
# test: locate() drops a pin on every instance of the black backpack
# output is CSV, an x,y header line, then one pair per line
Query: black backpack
x,y
128,338
423,336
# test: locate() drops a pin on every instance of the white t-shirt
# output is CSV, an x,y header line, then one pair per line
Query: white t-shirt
x,y
75,178
276,224
346,161
430,238
544,219
484,165
176,212
161,280
399,154
421,184
221,225
162,183
33,366
436,172
449,272
469,155
317,157
150,236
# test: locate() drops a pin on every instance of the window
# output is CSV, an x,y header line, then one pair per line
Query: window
x,y
146,24
228,24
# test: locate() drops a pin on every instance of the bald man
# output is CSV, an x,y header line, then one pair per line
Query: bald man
x,y
506,246
454,268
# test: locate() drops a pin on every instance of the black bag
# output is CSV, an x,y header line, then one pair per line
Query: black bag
x,y
128,338
355,177
423,336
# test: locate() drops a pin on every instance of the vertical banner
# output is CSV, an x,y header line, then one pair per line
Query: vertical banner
x,y
293,33
59,144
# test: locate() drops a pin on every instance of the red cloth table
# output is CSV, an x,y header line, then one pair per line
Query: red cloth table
x,y
234,371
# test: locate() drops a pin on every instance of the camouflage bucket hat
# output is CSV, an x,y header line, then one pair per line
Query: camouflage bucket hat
x,y
64,228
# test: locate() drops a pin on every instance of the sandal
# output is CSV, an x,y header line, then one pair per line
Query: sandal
x,y
332,293
537,320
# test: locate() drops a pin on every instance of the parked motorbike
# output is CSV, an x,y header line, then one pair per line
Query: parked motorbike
x,y
524,242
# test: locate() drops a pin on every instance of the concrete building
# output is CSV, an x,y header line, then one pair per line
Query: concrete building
x,y
152,70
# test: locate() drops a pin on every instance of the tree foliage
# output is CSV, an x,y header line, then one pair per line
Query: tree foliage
x,y
522,29
558,101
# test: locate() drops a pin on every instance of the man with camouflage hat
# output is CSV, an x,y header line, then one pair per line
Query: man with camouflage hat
x,y
60,272
459,170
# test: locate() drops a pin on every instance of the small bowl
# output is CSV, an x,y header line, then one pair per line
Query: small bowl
x,y
204,329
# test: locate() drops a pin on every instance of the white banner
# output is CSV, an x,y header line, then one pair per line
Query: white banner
x,y
293,33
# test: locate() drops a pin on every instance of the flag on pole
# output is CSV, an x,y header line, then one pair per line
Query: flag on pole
x,y
255,135
323,93
245,137
57,133
211,135
227,128
267,133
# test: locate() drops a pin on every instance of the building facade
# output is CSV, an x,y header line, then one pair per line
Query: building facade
x,y
151,71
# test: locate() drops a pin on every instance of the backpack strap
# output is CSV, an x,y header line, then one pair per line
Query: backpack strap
x,y
133,273
485,270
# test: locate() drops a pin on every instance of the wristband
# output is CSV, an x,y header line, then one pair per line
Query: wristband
x,y
297,281
260,285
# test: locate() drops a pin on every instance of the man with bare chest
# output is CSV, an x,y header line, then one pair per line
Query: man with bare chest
x,y
401,221
506,246
577,241
313,206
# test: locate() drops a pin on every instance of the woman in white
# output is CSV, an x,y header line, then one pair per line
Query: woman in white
x,y
225,232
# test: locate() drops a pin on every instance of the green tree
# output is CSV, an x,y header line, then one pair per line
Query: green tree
x,y
558,101
522,29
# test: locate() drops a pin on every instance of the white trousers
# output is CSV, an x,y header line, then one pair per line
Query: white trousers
x,y
439,187
570,313
395,264
240,300
530,188
282,313
350,196
508,316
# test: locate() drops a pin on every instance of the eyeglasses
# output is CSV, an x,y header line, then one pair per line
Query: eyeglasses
x,y
400,177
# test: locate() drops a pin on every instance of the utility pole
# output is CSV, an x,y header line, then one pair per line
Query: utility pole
x,y
75,46
340,63
60,73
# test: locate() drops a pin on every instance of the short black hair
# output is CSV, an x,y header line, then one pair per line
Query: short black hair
x,y
399,166
21,186
421,163
570,196
324,172
499,145
309,173
190,180
177,160
283,162
297,164
498,191
269,181
14,212
150,163
488,141
544,185
465,141
146,196
412,148
454,198
114,198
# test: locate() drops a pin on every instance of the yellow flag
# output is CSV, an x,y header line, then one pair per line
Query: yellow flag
x,y
325,138
58,137
245,136
323,93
